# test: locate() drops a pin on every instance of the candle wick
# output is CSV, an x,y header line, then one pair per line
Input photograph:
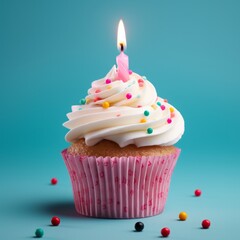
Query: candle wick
x,y
121,47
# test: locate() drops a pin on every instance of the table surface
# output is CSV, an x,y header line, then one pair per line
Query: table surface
x,y
29,201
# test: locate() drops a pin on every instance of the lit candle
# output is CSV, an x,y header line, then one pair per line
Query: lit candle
x,y
122,59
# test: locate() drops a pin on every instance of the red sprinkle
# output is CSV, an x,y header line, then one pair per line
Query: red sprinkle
x,y
54,181
140,82
198,192
165,100
55,221
165,232
206,224
97,99
98,91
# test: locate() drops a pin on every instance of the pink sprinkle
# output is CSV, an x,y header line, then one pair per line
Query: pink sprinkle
x,y
108,81
162,107
128,95
97,99
130,71
169,120
98,91
118,115
139,106
140,82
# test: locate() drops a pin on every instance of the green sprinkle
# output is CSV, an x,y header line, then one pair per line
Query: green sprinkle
x,y
146,113
80,109
138,96
159,104
39,233
144,77
83,101
149,130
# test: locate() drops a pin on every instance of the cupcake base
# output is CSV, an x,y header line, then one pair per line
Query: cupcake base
x,y
120,187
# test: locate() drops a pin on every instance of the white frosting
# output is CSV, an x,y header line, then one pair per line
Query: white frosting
x,y
124,122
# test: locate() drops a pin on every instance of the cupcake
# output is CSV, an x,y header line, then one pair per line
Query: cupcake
x,y
122,151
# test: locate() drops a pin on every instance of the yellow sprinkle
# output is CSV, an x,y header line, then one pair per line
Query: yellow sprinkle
x,y
106,105
154,107
88,100
143,120
109,87
171,109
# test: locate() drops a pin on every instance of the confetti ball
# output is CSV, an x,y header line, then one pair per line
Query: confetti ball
x,y
165,232
55,221
54,181
198,192
39,233
83,101
106,105
139,226
183,216
149,130
163,107
146,113
128,95
108,81
206,224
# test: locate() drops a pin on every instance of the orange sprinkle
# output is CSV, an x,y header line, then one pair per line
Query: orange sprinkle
x,y
109,87
154,107
143,120
171,109
106,105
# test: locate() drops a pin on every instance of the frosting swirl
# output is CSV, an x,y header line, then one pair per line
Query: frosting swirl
x,y
126,113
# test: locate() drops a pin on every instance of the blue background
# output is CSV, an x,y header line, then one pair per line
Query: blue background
x,y
51,51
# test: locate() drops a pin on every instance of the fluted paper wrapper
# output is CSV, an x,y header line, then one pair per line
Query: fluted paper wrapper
x,y
120,187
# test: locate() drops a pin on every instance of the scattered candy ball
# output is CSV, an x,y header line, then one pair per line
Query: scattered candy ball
x,y
183,216
165,232
149,130
106,105
206,224
55,221
108,81
139,226
39,233
128,95
54,181
83,101
198,192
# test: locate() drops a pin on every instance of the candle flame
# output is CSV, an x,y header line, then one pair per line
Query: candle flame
x,y
121,37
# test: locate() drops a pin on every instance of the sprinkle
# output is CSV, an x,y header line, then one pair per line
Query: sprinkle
x,y
163,107
139,106
83,101
98,91
159,104
143,120
146,113
172,115
109,87
130,71
140,82
138,96
149,130
80,109
108,81
128,95
154,107
97,99
106,105
169,120
118,115
88,100
165,100
171,109
144,77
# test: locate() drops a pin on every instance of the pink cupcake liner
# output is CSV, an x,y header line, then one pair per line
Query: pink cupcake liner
x,y
120,187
